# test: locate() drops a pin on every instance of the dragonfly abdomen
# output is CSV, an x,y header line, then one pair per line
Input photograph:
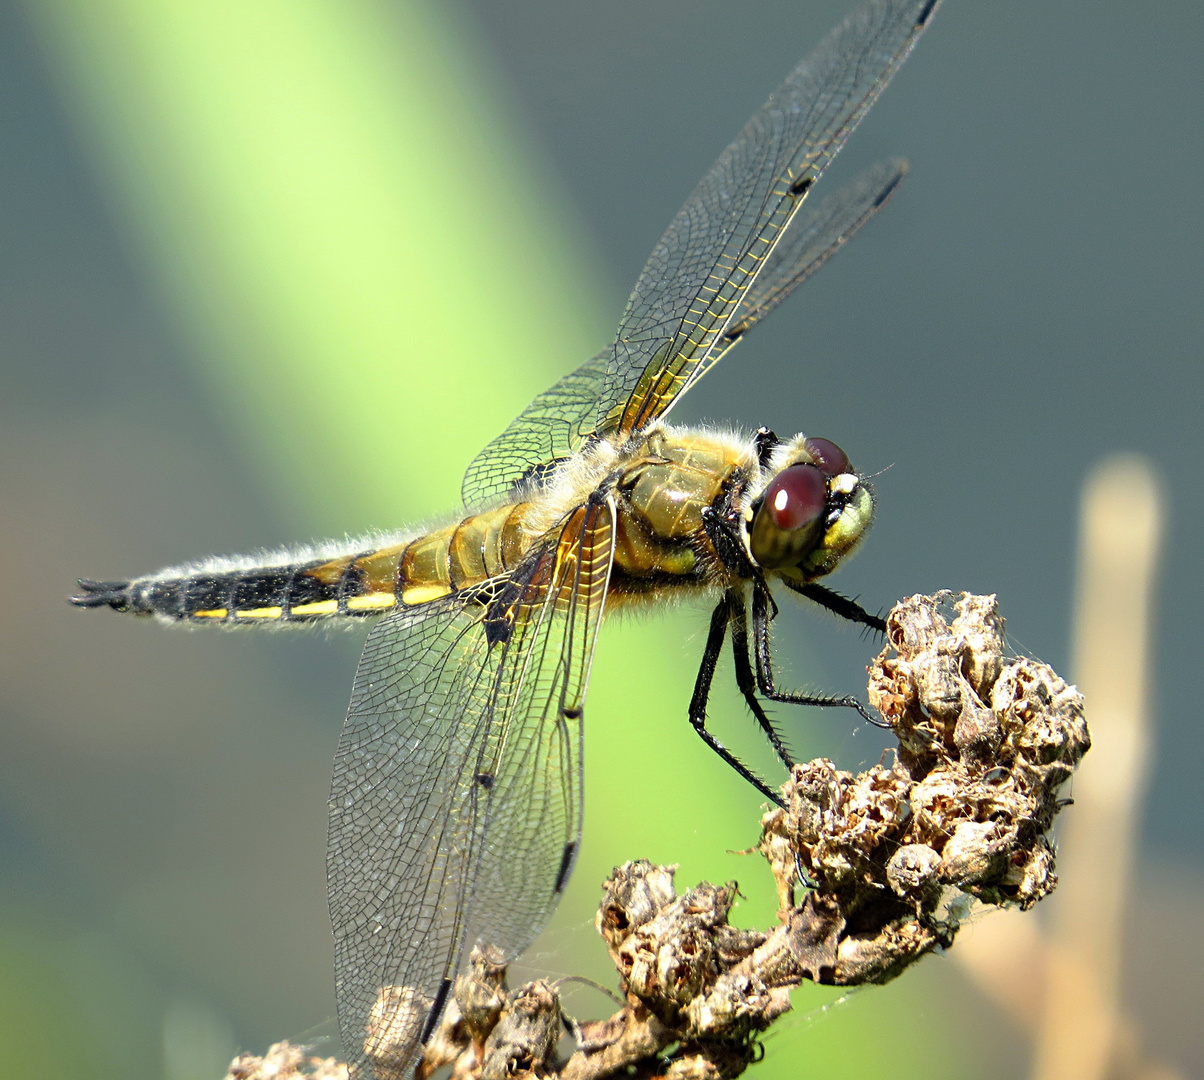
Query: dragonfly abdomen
x,y
358,583
461,555
296,592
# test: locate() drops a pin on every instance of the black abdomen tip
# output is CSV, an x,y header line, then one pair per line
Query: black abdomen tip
x,y
114,594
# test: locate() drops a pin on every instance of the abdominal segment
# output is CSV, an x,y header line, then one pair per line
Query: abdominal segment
x,y
361,582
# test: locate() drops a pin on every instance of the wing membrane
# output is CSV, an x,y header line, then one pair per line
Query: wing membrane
x,y
811,242
552,427
701,268
700,289
455,808
558,422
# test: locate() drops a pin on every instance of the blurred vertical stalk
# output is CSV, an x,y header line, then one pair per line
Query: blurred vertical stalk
x,y
336,204
1121,531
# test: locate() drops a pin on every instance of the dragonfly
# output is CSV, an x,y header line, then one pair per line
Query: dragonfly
x,y
455,813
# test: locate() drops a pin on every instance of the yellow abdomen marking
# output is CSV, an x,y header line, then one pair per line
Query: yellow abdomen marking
x,y
371,601
421,594
318,607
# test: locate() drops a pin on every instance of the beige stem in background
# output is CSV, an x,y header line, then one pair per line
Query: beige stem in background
x,y
1121,531
1079,1027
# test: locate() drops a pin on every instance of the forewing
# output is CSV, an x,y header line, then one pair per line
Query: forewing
x,y
692,300
561,419
700,271
814,237
551,428
455,809
811,241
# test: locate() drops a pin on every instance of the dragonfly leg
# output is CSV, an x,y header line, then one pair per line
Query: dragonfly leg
x,y
746,680
720,618
839,605
761,616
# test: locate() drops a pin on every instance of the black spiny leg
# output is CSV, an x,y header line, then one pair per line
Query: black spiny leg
x,y
839,605
746,680
761,616
702,689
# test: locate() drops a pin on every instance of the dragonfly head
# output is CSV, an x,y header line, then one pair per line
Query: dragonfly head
x,y
813,511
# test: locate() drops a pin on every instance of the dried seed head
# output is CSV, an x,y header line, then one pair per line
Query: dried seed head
x,y
984,743
911,872
635,893
526,1033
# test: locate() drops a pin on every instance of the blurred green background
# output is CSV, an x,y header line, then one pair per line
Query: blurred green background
x,y
275,270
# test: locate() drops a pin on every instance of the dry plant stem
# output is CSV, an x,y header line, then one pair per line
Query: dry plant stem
x,y
1063,986
1080,1034
889,862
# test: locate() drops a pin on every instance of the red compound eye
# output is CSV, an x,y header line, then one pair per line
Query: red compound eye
x,y
789,518
796,497
830,458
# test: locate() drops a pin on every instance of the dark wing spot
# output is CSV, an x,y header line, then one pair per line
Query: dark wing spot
x,y
536,476
506,602
432,1019
885,194
566,866
498,624
498,600
485,780
802,185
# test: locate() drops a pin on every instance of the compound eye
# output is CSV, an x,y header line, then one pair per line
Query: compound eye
x,y
829,457
796,496
789,518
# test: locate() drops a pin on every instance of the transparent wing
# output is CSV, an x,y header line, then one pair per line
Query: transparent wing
x,y
558,422
692,300
552,427
812,240
699,272
455,808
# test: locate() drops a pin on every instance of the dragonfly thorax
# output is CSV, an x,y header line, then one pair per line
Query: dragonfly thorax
x,y
664,488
